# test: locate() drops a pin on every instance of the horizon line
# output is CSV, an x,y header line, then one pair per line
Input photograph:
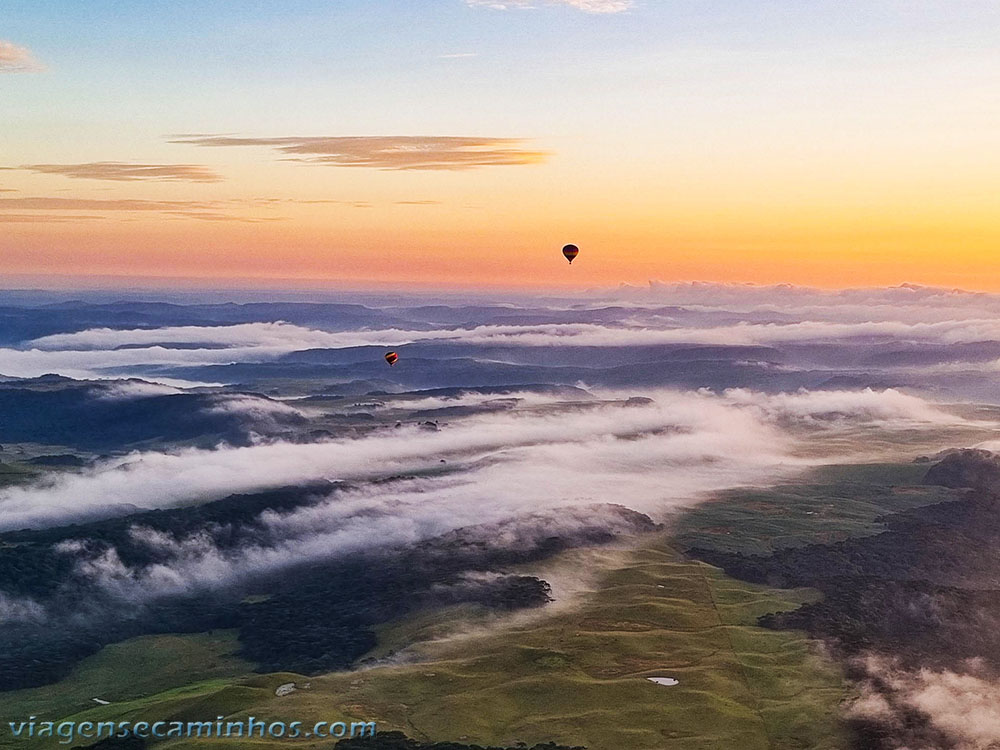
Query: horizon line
x,y
141,282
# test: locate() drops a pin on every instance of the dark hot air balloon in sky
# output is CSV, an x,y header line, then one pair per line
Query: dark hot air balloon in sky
x,y
391,358
571,251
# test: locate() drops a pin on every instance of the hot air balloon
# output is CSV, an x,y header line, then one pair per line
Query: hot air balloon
x,y
571,251
391,358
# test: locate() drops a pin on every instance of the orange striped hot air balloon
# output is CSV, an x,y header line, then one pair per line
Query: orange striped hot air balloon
x,y
571,251
391,358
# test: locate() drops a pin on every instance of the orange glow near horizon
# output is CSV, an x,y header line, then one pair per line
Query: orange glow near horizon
x,y
434,246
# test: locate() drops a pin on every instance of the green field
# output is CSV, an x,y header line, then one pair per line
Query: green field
x,y
127,674
577,676
830,504
575,673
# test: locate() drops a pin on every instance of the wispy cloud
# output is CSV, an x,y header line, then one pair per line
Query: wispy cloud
x,y
43,218
127,172
652,456
101,204
691,443
202,210
458,55
216,216
288,336
588,6
324,202
16,59
388,152
83,353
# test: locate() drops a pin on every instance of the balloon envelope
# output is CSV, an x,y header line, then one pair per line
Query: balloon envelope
x,y
391,358
571,251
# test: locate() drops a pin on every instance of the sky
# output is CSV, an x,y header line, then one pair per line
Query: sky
x,y
464,142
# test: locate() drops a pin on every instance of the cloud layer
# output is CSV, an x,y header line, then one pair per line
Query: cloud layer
x,y
83,353
648,457
213,210
556,456
518,477
118,171
388,152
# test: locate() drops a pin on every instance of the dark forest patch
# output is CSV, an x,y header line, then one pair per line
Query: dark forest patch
x,y
304,617
924,593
